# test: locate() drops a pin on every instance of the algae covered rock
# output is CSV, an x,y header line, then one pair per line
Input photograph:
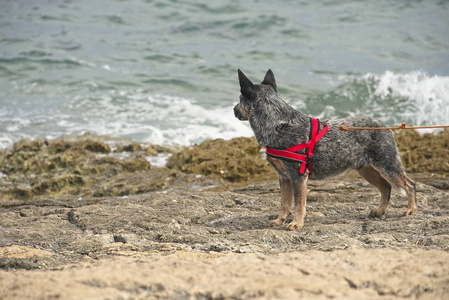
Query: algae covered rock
x,y
235,160
150,150
424,152
87,165
48,168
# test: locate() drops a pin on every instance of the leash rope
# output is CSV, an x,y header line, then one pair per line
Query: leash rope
x,y
401,126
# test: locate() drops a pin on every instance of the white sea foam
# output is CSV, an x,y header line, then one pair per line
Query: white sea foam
x,y
158,119
5,141
427,96
158,161
153,118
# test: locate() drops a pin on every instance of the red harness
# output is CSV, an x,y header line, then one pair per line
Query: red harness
x,y
289,153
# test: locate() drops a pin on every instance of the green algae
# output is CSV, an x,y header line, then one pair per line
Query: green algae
x,y
149,150
49,168
424,153
239,160
236,160
94,166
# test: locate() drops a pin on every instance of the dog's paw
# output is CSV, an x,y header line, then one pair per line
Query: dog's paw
x,y
295,225
410,211
377,213
276,222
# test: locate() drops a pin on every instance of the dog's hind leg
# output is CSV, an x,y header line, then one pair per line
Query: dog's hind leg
x,y
286,201
375,178
397,179
388,163
404,182
411,194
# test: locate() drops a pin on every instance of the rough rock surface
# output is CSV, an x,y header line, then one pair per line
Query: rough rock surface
x,y
236,160
171,246
160,233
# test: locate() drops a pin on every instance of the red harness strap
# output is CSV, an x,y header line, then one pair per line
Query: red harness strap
x,y
290,154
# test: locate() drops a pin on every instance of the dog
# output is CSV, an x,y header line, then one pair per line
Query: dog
x,y
277,125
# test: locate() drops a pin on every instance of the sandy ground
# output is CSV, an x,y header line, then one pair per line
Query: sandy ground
x,y
341,274
215,245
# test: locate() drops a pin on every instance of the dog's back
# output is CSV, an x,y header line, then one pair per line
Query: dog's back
x,y
340,150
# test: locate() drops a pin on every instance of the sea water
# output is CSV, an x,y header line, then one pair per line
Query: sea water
x,y
165,72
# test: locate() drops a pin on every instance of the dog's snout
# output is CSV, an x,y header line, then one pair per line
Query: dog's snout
x,y
237,112
240,113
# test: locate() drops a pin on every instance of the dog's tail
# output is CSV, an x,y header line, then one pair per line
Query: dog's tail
x,y
403,186
398,189
414,189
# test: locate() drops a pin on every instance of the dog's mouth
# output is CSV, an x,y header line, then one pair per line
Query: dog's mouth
x,y
240,117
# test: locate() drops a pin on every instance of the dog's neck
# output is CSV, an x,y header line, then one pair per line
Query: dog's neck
x,y
278,125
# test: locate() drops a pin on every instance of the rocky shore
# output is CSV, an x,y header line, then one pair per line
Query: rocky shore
x,y
95,217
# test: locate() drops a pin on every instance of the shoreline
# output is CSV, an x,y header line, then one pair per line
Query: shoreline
x,y
91,165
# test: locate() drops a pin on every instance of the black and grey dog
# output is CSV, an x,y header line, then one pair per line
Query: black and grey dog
x,y
373,153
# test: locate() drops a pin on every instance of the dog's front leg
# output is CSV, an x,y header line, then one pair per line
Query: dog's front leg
x,y
286,201
299,186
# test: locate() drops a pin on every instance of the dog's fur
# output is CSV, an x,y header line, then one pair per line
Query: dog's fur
x,y
373,153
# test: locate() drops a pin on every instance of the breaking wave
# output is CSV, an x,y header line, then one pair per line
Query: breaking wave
x,y
157,119
416,98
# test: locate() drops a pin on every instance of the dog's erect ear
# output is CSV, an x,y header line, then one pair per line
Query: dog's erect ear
x,y
246,86
270,80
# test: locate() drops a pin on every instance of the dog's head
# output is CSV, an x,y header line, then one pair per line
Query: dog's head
x,y
250,93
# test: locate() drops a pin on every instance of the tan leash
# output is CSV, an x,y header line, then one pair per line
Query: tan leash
x,y
401,126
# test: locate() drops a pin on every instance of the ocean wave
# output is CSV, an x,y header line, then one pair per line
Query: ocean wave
x,y
159,119
427,97
38,59
416,98
136,114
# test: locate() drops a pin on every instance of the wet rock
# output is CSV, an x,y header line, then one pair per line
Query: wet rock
x,y
133,147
